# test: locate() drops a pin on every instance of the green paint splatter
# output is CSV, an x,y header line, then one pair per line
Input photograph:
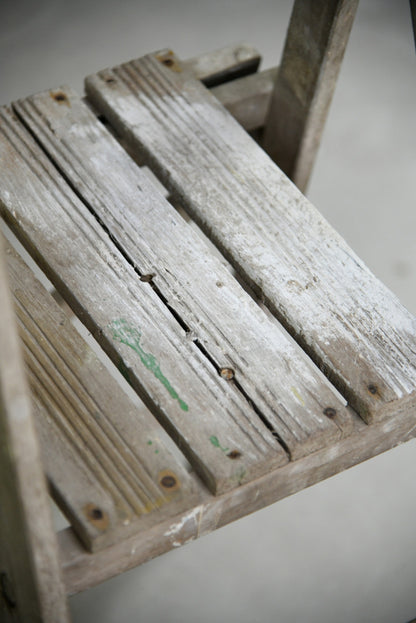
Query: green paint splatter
x,y
149,443
126,334
214,440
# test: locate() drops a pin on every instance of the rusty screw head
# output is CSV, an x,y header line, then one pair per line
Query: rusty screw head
x,y
227,373
330,412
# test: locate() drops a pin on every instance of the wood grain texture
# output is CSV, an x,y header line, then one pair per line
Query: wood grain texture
x,y
248,98
220,316
208,416
82,572
351,325
223,65
315,44
31,587
105,456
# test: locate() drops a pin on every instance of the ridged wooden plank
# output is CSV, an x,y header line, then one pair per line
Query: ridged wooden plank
x,y
349,322
31,587
107,458
273,371
211,420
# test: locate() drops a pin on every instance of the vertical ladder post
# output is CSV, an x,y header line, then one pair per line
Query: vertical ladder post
x,y
315,44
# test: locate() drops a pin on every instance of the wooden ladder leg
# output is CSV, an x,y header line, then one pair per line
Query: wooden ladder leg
x,y
315,44
31,588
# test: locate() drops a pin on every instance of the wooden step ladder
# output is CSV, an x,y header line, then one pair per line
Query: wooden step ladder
x,y
210,344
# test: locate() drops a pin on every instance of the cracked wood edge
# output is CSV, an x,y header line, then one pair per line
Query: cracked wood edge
x,y
353,327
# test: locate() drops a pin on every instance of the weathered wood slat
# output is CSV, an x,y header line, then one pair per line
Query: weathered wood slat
x,y
211,420
352,326
273,371
315,44
104,455
248,98
222,65
81,573
31,587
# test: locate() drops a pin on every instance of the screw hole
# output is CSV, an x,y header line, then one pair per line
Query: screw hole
x,y
96,514
234,454
59,97
373,389
169,481
330,412
168,62
98,518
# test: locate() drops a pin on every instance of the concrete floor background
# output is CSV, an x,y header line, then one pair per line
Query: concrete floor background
x,y
343,551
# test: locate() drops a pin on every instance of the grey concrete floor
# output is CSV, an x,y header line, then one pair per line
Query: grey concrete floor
x,y
343,550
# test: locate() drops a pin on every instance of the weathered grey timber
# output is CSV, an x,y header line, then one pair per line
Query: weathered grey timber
x,y
81,573
31,588
248,98
216,370
315,44
243,91
222,65
107,459
211,420
219,315
347,320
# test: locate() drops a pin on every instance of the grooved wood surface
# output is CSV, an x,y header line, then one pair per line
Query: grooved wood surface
x,y
212,421
31,587
248,98
107,458
271,370
348,321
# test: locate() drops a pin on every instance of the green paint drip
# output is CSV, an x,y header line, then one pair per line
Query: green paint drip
x,y
130,336
214,440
